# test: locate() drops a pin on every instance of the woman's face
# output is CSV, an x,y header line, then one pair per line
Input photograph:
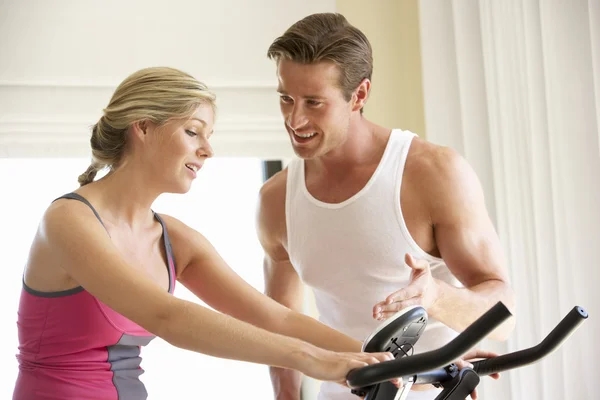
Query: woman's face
x,y
177,150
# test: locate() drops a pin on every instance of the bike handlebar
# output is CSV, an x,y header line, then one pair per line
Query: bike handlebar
x,y
425,368
520,358
384,371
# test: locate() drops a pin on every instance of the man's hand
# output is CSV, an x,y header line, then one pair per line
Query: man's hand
x,y
422,290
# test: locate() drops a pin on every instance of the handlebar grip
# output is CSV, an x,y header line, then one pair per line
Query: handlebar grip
x,y
478,330
528,356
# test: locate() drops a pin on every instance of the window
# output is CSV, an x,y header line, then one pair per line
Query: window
x,y
221,205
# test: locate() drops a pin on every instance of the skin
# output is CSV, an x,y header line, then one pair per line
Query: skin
x,y
442,203
131,262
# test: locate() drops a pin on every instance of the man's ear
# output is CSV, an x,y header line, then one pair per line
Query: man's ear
x,y
361,94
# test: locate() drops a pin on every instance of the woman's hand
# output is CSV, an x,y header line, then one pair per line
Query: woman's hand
x,y
335,367
473,355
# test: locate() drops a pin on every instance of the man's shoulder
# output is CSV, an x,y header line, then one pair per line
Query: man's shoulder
x,y
442,176
434,161
274,188
271,212
271,198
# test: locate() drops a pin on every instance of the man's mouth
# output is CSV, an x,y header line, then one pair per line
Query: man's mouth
x,y
305,135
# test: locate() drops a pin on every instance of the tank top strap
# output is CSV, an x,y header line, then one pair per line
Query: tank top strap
x,y
76,196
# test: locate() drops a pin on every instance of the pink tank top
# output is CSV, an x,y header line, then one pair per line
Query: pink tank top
x,y
72,346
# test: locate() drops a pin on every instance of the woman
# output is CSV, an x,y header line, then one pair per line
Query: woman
x,y
102,268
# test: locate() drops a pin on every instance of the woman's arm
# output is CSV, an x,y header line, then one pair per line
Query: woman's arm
x,y
204,272
81,245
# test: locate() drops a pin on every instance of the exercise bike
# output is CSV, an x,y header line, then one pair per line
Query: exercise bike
x,y
399,335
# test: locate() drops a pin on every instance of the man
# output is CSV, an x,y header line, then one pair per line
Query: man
x,y
373,219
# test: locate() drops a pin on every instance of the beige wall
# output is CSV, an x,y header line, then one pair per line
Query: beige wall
x,y
54,90
392,27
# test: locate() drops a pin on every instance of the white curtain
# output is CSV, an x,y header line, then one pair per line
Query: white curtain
x,y
514,86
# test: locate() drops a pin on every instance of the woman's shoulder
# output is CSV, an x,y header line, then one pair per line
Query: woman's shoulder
x,y
70,207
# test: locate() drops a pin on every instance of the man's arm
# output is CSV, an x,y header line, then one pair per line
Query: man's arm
x,y
470,246
283,285
467,242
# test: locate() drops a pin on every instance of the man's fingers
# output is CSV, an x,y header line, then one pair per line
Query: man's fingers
x,y
400,298
409,292
409,260
385,315
395,302
389,310
414,263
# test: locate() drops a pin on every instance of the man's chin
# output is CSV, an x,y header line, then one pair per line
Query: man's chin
x,y
305,153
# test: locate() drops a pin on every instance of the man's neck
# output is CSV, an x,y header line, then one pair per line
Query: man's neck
x,y
364,147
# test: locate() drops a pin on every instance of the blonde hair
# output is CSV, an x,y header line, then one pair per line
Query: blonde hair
x,y
156,94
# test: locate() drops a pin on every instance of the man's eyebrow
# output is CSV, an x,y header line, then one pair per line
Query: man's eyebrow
x,y
310,96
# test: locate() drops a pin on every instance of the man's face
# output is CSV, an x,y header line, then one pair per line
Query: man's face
x,y
315,112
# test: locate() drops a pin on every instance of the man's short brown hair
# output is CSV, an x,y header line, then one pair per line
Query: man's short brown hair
x,y
327,37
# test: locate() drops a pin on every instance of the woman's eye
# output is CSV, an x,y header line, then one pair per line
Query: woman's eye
x,y
190,133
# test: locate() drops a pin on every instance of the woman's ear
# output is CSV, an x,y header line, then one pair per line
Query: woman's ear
x,y
139,129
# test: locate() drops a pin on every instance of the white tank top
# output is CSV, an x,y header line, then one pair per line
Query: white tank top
x,y
352,253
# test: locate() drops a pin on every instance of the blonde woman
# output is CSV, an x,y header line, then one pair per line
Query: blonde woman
x,y
102,268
